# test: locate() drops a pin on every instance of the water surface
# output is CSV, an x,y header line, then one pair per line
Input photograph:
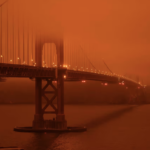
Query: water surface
x,y
112,127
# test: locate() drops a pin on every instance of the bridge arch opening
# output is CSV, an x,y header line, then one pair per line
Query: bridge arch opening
x,y
49,55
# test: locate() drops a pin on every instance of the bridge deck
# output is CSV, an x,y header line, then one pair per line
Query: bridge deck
x,y
14,70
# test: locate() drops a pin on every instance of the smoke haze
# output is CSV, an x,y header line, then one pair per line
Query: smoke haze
x,y
116,31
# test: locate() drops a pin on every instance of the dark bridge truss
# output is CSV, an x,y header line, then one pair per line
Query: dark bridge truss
x,y
11,70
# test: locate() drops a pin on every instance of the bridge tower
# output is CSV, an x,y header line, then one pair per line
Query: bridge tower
x,y
59,122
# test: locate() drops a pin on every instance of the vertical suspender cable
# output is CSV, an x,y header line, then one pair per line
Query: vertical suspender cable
x,y
23,38
70,56
68,53
1,36
64,52
49,54
32,46
1,30
44,52
79,59
84,60
28,45
76,55
13,36
40,46
68,63
7,33
19,59
34,61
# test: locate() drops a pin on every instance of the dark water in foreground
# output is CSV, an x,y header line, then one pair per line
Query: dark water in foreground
x,y
109,128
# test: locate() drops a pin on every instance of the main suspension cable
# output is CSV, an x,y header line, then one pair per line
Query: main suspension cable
x,y
87,58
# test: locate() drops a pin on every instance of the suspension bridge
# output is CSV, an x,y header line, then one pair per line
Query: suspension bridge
x,y
30,52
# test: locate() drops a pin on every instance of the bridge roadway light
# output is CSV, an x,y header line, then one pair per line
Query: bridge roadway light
x,y
64,76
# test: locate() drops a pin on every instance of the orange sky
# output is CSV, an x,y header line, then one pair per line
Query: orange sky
x,y
117,31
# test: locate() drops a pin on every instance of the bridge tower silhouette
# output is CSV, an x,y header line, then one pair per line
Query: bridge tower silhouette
x,y
60,122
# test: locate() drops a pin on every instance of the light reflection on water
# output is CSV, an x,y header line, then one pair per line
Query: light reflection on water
x,y
109,128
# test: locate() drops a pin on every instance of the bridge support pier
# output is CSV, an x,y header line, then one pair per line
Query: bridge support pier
x,y
60,117
38,117
59,122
